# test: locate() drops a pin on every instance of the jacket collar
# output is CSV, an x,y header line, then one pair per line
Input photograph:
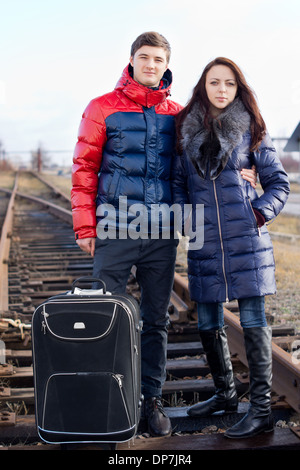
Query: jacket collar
x,y
141,94
229,129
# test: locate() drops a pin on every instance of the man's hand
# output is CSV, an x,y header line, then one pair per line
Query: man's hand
x,y
87,245
250,175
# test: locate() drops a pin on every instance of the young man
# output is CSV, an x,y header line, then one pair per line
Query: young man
x,y
122,161
124,149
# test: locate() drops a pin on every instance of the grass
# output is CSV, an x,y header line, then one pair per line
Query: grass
x,y
285,224
28,184
31,185
61,182
287,259
285,305
7,179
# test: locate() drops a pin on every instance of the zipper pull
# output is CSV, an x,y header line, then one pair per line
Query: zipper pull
x,y
45,315
259,231
119,378
43,327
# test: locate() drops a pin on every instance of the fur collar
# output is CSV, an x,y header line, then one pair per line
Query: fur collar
x,y
228,130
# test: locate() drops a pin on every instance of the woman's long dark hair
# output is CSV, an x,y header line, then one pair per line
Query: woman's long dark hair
x,y
244,92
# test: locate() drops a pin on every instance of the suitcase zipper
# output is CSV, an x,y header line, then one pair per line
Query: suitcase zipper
x,y
133,357
44,323
44,326
119,378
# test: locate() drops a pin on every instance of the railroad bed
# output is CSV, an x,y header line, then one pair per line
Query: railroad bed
x,y
43,260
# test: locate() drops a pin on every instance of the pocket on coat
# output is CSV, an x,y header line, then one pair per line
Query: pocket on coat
x,y
252,213
113,190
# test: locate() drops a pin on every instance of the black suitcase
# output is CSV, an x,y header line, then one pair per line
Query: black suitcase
x,y
86,363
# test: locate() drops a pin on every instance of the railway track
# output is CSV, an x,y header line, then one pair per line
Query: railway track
x,y
39,258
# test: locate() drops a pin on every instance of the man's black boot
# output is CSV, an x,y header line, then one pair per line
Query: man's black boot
x,y
215,346
258,343
159,423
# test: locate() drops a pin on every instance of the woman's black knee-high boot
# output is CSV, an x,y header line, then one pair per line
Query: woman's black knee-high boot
x,y
258,343
218,357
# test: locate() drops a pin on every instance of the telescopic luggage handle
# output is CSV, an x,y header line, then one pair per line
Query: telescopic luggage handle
x,y
88,279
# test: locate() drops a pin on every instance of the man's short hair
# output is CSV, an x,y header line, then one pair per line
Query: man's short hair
x,y
153,39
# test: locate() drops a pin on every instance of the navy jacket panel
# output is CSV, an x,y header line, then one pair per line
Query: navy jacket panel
x,y
137,158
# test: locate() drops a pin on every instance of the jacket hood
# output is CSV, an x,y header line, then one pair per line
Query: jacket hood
x,y
228,129
141,94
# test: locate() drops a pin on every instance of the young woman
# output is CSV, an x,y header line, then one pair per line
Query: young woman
x,y
221,131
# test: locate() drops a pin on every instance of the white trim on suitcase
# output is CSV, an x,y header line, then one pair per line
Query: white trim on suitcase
x,y
117,377
87,441
45,324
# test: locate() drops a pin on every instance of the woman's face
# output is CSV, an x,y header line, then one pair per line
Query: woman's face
x,y
221,88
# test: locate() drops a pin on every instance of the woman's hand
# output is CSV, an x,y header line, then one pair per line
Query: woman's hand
x,y
250,175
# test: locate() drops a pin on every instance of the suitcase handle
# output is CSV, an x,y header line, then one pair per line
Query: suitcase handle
x,y
88,279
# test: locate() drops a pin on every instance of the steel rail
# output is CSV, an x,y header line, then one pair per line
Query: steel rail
x,y
4,249
5,241
60,212
185,307
286,370
50,185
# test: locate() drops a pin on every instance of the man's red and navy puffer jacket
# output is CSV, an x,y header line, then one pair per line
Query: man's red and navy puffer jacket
x,y
125,148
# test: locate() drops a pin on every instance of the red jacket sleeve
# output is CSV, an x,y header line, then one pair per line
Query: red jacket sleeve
x,y
85,169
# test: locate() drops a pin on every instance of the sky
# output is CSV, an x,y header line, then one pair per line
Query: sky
x,y
55,56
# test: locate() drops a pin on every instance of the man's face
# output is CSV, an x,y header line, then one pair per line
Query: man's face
x,y
149,64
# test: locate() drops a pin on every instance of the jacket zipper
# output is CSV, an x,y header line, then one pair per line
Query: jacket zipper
x,y
221,242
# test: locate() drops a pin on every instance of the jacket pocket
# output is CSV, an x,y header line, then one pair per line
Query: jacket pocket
x,y
253,216
114,187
